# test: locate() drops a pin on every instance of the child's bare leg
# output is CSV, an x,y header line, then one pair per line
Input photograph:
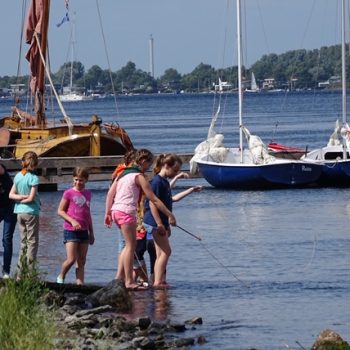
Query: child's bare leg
x,y
72,255
163,253
81,260
120,272
129,232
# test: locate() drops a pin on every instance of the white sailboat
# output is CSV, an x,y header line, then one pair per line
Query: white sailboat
x,y
250,167
335,156
69,94
253,85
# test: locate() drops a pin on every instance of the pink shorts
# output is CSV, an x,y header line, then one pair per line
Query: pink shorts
x,y
121,218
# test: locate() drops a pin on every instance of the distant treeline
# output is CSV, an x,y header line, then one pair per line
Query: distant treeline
x,y
298,69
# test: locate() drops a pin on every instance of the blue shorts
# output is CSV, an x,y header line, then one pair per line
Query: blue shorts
x,y
149,229
75,236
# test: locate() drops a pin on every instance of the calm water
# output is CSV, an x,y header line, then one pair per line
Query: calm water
x,y
273,267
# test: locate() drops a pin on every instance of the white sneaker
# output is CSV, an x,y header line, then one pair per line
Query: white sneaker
x,y
60,280
5,276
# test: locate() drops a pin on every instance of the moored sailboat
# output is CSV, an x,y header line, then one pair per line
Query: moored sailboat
x,y
250,167
335,156
21,131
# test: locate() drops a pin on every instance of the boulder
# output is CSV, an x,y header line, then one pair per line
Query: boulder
x,y
114,294
330,340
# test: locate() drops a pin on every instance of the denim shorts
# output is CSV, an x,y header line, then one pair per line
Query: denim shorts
x,y
76,236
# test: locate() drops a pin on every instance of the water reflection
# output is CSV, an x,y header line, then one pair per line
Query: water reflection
x,y
154,304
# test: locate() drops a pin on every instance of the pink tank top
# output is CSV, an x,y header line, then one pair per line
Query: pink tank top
x,y
127,194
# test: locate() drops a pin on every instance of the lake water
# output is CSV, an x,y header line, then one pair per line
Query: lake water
x,y
272,270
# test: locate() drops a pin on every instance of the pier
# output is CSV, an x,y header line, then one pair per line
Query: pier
x,y
53,171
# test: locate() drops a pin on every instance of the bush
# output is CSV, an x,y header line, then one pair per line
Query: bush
x,y
24,324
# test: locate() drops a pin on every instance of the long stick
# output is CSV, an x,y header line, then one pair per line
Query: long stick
x,y
191,234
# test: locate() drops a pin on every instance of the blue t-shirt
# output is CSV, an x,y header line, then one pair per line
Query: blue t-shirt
x,y
24,184
161,188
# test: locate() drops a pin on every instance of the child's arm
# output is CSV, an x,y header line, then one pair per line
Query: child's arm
x,y
109,201
155,213
15,196
180,195
62,212
32,194
91,233
178,176
146,188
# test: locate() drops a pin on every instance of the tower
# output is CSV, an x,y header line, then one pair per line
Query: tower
x,y
151,61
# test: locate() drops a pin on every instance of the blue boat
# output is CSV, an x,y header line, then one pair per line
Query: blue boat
x,y
278,173
251,167
335,156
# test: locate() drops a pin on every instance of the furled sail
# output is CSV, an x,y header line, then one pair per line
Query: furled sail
x,y
34,25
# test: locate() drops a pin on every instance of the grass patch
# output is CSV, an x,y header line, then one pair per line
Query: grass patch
x,y
24,323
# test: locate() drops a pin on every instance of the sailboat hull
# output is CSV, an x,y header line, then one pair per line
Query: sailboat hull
x,y
94,139
335,170
275,175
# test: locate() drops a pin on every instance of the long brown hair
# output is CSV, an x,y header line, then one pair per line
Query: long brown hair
x,y
166,159
143,154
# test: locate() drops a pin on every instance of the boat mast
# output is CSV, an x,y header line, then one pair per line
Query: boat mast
x,y
344,105
39,95
239,63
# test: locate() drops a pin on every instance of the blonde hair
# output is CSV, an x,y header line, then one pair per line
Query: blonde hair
x,y
166,159
81,172
29,160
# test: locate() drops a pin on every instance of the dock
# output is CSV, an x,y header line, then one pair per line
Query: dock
x,y
53,171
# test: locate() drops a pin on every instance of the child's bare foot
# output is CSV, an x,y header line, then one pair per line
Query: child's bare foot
x,y
136,287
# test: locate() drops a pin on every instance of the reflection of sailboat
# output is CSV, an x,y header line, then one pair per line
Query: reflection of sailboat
x,y
253,85
335,156
253,167
22,131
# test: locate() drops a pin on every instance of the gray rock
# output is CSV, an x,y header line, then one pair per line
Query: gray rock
x,y
195,320
113,294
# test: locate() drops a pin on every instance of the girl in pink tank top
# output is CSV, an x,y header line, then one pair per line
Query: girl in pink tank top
x,y
121,205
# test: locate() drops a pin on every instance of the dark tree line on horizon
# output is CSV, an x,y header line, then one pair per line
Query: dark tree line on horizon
x,y
304,68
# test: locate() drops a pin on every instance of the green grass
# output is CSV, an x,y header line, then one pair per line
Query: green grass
x,y
24,323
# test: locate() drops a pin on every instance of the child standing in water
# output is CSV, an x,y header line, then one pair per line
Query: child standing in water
x,y
121,206
156,224
24,192
74,208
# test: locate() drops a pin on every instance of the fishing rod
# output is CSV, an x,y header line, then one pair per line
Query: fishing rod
x,y
214,257
191,234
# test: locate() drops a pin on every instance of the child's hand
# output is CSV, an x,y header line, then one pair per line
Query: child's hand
x,y
161,230
75,225
197,188
172,220
182,175
108,220
91,238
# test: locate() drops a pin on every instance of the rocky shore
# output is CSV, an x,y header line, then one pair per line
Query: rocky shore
x,y
91,319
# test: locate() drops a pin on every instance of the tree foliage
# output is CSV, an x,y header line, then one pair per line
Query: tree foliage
x,y
301,69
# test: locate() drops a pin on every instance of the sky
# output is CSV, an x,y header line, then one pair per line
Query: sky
x,y
185,32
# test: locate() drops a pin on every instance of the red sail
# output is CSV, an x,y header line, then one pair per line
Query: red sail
x,y
34,25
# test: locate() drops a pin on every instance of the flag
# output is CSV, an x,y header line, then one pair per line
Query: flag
x,y
64,19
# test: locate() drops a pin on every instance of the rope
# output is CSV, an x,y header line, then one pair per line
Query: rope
x,y
107,57
66,117
214,257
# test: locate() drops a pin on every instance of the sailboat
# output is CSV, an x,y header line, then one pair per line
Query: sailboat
x,y
252,167
69,93
253,85
21,131
335,156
